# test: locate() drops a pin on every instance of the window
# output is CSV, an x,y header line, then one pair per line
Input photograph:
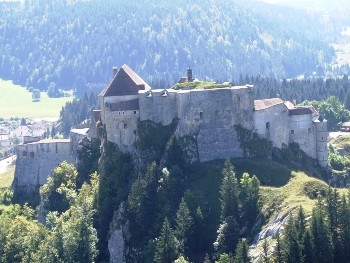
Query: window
x,y
125,125
292,131
309,130
134,112
123,113
201,115
267,125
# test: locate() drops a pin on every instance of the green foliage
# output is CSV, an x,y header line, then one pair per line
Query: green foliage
x,y
331,109
75,112
60,190
36,95
142,206
72,237
88,152
153,138
168,48
22,240
167,245
229,192
228,236
241,255
249,198
184,223
198,85
251,144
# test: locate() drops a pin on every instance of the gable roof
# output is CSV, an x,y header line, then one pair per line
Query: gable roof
x,y
125,82
267,103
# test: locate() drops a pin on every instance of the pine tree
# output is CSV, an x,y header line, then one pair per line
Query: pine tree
x,y
308,248
241,255
229,192
167,245
228,236
291,244
321,237
184,222
249,197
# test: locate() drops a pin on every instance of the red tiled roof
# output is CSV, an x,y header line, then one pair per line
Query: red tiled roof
x,y
125,82
267,103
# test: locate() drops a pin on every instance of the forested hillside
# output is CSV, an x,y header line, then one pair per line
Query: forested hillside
x,y
75,44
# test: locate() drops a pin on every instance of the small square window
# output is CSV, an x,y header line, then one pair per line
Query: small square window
x,y
201,114
134,112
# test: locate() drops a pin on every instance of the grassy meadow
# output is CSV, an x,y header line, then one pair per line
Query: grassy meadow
x,y
16,101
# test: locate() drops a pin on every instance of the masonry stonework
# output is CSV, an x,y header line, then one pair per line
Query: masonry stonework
x,y
36,160
210,115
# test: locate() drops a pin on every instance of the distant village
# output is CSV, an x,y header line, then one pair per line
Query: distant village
x,y
14,131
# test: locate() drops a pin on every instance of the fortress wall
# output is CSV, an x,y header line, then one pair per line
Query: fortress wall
x,y
35,161
212,115
302,131
272,124
159,107
120,125
243,106
121,128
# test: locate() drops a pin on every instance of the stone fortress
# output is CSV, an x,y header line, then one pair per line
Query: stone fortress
x,y
209,115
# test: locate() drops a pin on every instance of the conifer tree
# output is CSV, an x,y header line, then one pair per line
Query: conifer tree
x,y
241,255
249,197
184,222
321,237
228,236
229,192
167,245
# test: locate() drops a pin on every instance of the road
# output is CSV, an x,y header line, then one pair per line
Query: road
x,y
4,163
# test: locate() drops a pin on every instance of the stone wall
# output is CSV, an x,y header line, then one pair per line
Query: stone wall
x,y
212,115
120,125
218,143
272,124
158,105
302,131
35,161
321,142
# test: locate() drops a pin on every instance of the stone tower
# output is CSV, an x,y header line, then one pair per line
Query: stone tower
x,y
321,141
119,102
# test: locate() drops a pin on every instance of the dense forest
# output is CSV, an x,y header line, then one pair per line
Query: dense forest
x,y
75,44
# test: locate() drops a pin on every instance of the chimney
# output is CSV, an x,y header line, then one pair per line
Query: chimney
x,y
189,75
115,71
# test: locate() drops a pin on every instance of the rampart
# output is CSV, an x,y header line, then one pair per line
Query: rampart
x,y
36,160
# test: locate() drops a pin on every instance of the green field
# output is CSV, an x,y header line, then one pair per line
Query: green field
x,y
16,101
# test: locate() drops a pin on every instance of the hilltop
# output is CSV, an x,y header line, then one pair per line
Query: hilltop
x,y
221,39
